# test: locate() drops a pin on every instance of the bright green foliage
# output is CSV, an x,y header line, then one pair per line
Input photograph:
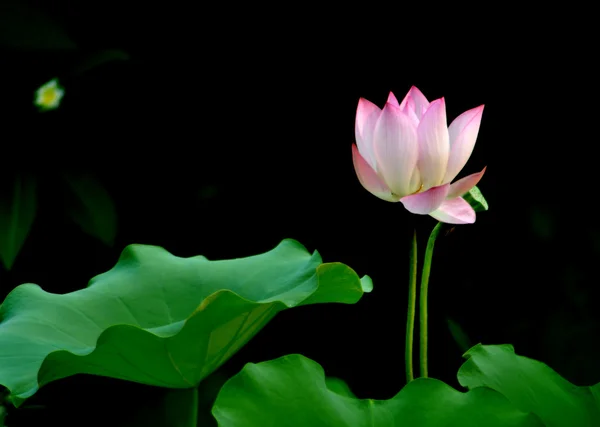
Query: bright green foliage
x,y
292,391
159,319
531,386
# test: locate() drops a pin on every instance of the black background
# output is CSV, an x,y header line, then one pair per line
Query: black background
x,y
228,130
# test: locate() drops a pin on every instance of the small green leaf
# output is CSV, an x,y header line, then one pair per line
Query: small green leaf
x,y
99,58
92,208
18,207
531,386
476,199
159,319
292,391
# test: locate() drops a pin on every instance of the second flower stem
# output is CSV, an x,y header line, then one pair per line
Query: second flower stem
x,y
423,298
410,318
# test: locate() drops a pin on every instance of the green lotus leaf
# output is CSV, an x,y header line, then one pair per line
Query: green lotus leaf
x,y
159,319
531,386
292,391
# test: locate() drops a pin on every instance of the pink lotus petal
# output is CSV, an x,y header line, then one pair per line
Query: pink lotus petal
x,y
411,115
416,184
426,202
369,179
367,115
415,101
455,211
396,149
463,185
434,145
463,135
392,100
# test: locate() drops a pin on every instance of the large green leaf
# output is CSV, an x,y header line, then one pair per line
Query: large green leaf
x,y
531,385
338,386
291,391
159,319
18,206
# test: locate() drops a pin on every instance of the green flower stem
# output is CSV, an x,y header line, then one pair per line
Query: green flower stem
x,y
423,298
181,407
193,416
410,317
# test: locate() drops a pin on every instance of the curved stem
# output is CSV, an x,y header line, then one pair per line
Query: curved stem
x,y
410,317
423,297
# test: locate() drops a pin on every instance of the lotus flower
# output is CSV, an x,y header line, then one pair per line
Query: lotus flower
x,y
406,152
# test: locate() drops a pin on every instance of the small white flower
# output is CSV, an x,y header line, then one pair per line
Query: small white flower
x,y
49,95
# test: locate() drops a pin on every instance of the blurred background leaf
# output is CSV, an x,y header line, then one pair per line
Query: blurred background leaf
x,y
2,415
99,58
25,26
91,207
18,205
458,333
